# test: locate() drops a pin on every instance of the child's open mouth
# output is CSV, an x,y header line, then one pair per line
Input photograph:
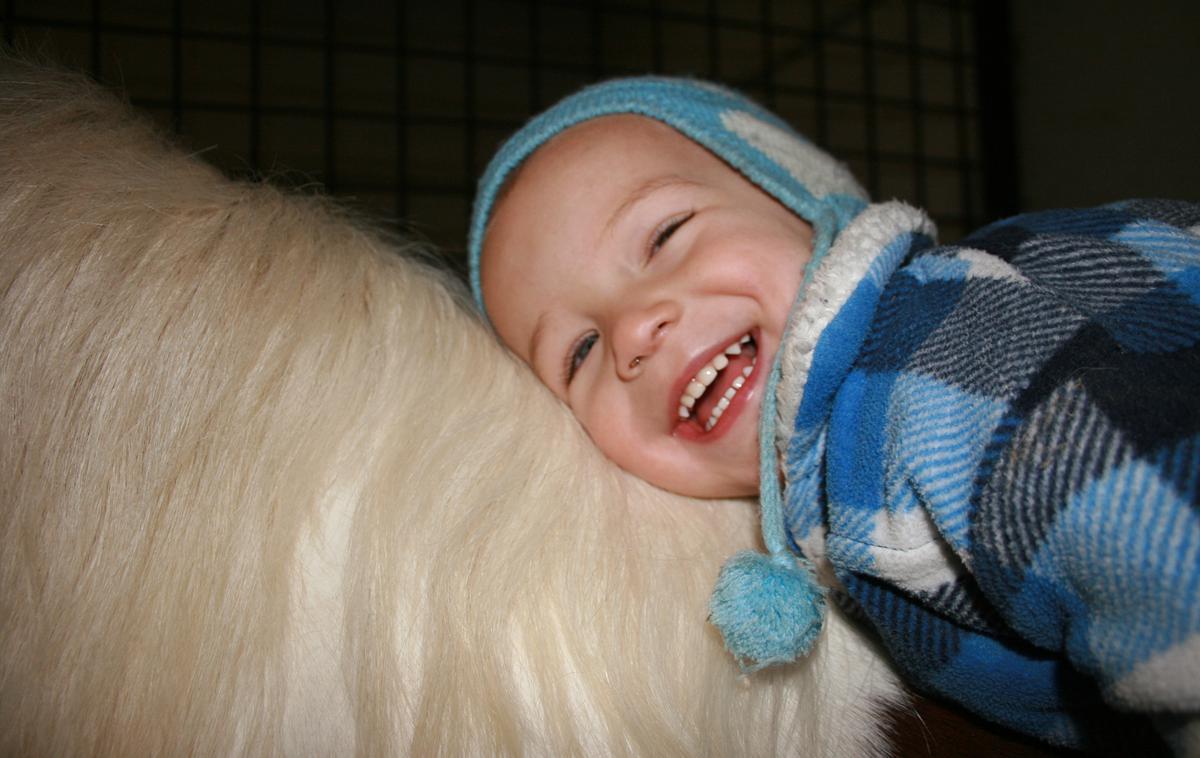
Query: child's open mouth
x,y
709,393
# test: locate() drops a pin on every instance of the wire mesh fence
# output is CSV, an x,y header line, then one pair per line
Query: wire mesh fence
x,y
396,106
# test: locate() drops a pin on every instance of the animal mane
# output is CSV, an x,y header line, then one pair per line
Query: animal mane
x,y
270,487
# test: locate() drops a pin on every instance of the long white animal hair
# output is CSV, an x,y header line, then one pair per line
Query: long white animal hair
x,y
269,487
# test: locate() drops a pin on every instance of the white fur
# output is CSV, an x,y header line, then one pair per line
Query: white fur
x,y
270,488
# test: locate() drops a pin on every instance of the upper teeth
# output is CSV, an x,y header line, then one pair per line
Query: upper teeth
x,y
707,375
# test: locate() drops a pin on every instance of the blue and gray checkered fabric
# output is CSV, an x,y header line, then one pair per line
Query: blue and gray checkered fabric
x,y
995,447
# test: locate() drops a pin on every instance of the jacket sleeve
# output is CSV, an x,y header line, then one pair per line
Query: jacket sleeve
x,y
1084,525
1013,468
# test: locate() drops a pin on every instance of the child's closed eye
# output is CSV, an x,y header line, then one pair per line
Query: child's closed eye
x,y
577,354
663,232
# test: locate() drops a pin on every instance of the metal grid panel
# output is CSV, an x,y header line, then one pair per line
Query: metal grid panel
x,y
397,106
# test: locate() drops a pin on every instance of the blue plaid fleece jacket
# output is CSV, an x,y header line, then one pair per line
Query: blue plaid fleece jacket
x,y
995,449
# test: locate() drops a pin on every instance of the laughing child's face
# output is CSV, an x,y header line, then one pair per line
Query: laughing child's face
x,y
647,284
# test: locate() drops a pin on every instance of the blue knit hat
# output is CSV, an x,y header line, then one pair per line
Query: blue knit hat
x,y
769,608
743,134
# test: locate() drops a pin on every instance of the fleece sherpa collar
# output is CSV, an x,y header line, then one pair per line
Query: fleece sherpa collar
x,y
859,252
867,252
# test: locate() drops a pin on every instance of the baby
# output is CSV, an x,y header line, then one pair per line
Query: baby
x,y
992,450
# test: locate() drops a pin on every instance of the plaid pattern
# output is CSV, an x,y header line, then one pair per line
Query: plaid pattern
x,y
996,449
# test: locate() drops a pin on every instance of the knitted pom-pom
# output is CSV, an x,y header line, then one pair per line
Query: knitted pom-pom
x,y
769,609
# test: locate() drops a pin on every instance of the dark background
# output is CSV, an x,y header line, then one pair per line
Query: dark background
x,y
970,110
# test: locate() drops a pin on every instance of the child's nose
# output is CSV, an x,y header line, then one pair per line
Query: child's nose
x,y
639,333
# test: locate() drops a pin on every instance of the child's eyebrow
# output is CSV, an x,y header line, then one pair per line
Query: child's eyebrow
x,y
643,190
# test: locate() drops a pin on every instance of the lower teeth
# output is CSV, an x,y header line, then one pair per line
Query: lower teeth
x,y
686,411
727,398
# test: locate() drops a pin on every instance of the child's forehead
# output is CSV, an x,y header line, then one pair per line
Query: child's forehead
x,y
550,223
617,126
608,151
